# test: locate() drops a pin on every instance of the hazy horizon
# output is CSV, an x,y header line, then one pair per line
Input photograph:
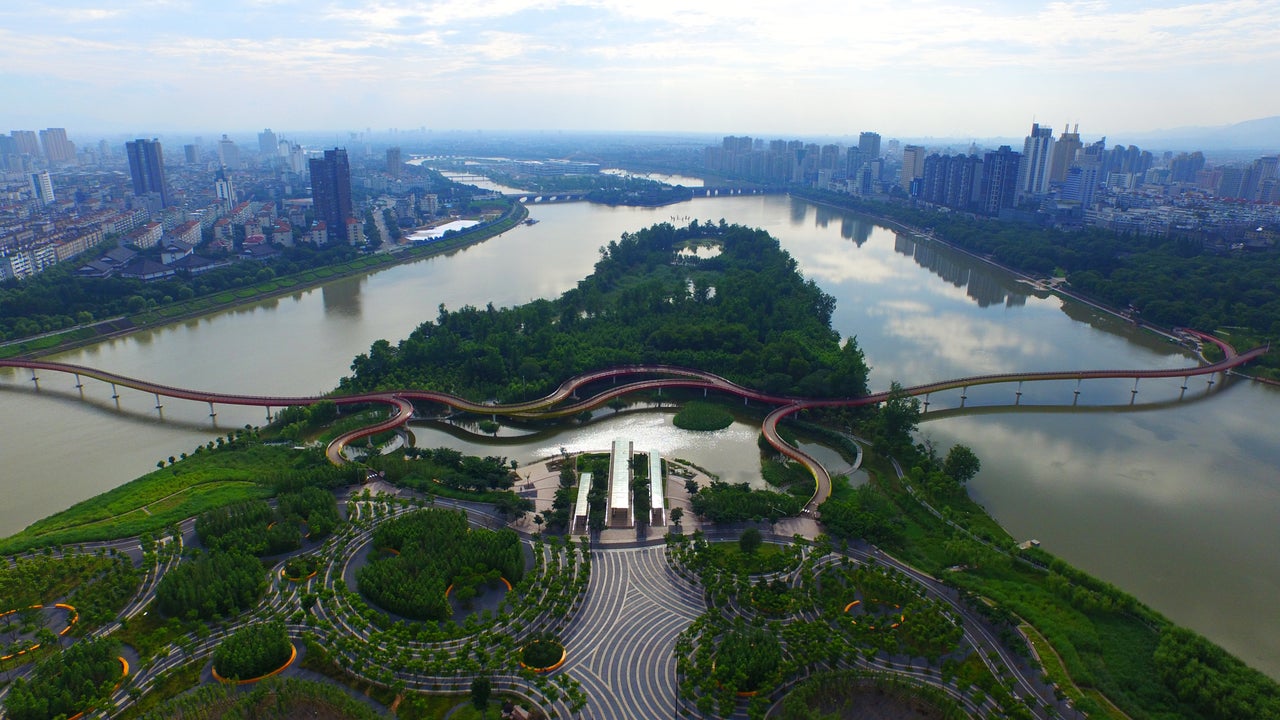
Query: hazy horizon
x,y
908,70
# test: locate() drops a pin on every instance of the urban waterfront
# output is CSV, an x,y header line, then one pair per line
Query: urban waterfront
x,y
1174,501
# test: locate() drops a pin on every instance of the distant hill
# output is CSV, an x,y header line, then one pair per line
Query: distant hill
x,y
1262,135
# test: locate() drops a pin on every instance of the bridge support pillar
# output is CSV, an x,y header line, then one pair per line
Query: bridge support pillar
x,y
159,405
926,402
964,395
35,378
212,414
79,385
1210,379
1018,394
268,413
115,394
1078,381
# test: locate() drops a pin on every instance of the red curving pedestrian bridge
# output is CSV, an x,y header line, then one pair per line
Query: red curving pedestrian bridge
x,y
564,402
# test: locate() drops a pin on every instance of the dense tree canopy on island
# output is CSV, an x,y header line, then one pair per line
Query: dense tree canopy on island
x,y
253,651
412,575
747,314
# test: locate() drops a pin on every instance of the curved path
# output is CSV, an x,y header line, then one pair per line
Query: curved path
x,y
401,401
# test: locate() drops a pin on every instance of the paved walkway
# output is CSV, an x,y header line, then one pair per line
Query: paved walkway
x,y
622,643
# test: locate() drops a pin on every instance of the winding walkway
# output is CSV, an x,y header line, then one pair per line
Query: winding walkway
x,y
554,404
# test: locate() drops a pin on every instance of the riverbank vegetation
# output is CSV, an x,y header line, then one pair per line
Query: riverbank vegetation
x,y
1171,281
60,303
1113,648
746,314
232,469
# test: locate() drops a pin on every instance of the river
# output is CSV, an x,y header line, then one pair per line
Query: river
x,y
1175,499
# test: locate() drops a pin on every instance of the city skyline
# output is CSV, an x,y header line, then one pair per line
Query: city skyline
x,y
909,70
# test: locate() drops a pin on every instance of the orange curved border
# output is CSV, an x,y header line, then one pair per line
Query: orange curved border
x,y
851,605
504,582
125,665
71,621
294,579
293,656
564,655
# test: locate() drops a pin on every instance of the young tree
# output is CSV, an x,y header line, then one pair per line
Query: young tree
x,y
481,689
750,541
961,464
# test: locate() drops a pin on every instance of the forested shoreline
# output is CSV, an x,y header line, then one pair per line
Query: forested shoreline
x,y
1169,281
746,314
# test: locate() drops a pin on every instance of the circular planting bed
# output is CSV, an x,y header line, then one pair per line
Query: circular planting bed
x,y
475,596
254,652
543,655
300,568
21,630
845,695
746,659
407,575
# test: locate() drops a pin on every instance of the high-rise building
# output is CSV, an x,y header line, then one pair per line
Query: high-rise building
x,y
297,159
331,191
42,187
28,143
1064,154
1037,161
1080,183
228,153
267,143
146,166
912,165
1184,167
191,153
393,162
953,182
225,189
57,148
999,187
869,146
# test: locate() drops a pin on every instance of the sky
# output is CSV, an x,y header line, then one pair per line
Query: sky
x,y
904,68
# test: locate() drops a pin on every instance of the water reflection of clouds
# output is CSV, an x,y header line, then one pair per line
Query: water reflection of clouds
x,y
842,267
1083,464
968,344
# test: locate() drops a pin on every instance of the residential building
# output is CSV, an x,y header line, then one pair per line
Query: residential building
x,y
228,153
869,146
224,189
331,192
146,167
1036,163
57,148
999,186
912,165
268,145
393,162
1065,149
42,187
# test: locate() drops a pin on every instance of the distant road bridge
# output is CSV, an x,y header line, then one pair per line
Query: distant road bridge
x,y
563,401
